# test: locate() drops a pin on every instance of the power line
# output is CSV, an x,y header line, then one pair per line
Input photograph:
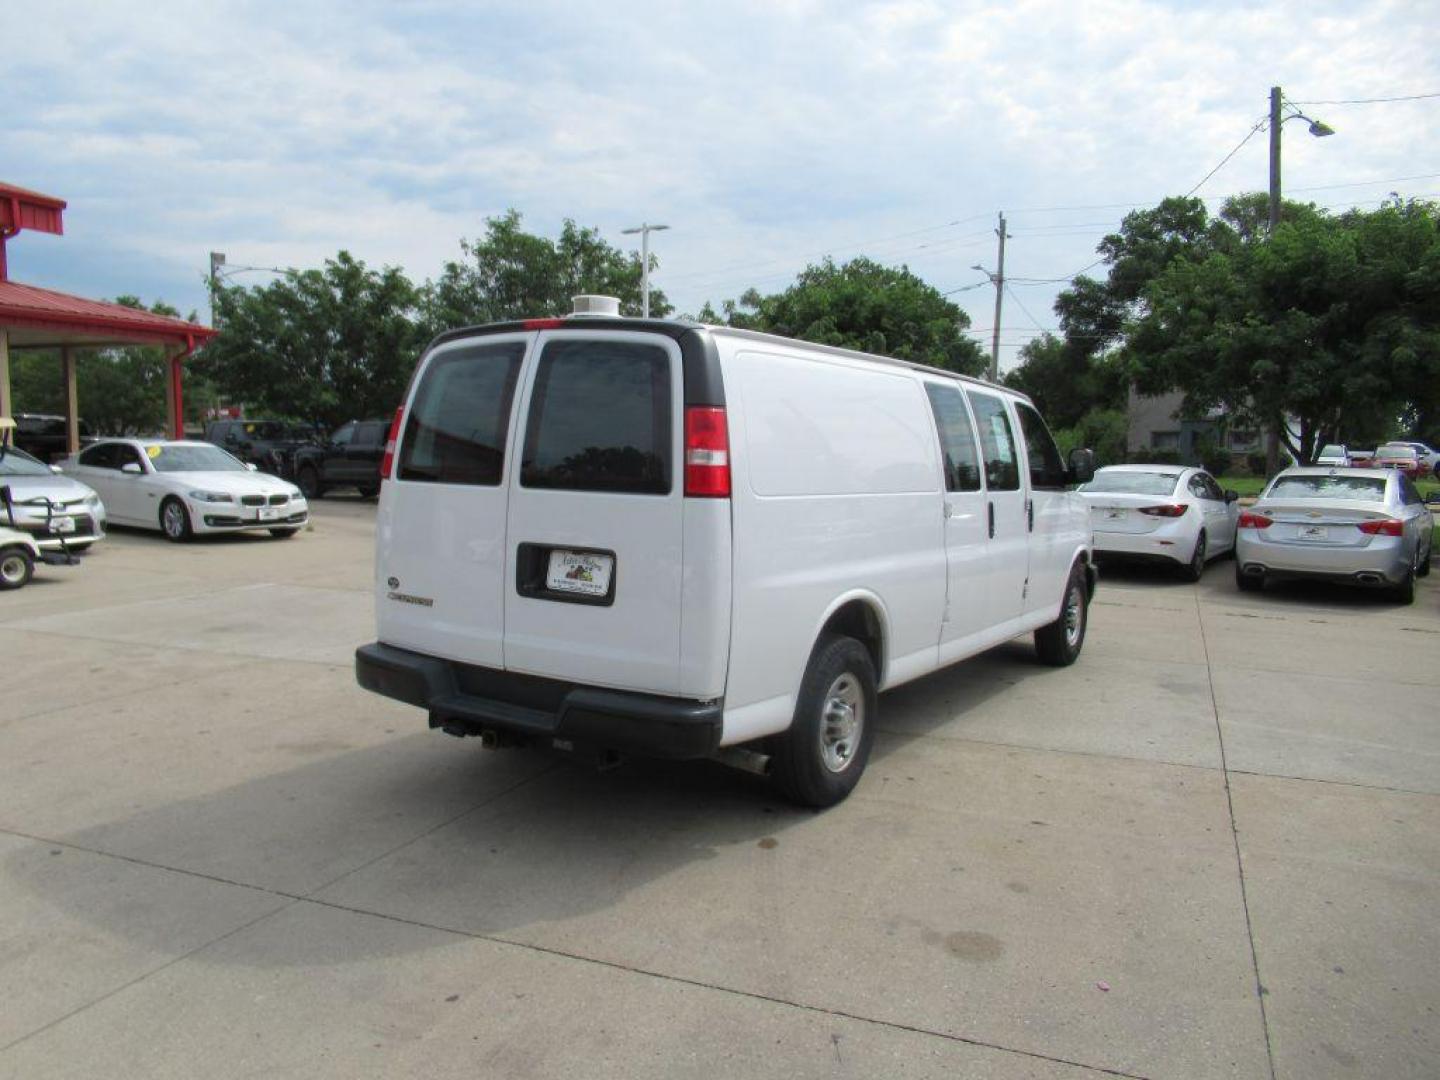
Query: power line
x,y
1368,101
1260,125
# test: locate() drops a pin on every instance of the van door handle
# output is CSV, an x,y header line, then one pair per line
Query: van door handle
x,y
992,520
1030,513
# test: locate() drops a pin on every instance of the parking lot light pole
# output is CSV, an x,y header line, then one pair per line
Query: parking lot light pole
x,y
644,231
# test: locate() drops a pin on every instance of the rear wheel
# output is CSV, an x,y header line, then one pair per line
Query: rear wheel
x,y
175,521
308,481
1196,566
819,760
1248,582
1059,643
369,491
17,567
1423,570
1404,593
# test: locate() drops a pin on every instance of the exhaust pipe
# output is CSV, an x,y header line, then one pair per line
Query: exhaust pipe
x,y
737,757
1368,578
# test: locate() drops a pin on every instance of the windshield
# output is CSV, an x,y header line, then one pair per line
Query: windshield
x,y
15,462
1133,483
1397,453
1368,488
191,458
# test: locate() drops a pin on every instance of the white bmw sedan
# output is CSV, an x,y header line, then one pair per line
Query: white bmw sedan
x,y
186,488
1170,513
1357,526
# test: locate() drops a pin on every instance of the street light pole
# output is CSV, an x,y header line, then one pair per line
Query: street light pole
x,y
998,280
644,230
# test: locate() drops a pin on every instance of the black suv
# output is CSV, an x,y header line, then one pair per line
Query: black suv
x,y
43,436
349,458
269,445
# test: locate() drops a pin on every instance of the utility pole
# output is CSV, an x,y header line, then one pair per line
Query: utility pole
x,y
998,280
644,231
1275,123
217,260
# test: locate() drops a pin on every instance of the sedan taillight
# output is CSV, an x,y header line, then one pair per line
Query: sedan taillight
x,y
1383,527
1253,521
1171,511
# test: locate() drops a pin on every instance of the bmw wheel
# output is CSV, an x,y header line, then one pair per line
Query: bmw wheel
x,y
175,521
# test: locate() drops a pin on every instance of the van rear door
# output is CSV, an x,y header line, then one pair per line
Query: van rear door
x,y
595,521
440,551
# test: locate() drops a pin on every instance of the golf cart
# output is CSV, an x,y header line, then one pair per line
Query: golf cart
x,y
18,550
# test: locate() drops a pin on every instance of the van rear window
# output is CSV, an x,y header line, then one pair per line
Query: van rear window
x,y
455,432
600,418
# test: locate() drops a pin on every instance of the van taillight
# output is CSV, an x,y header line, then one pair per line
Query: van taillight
x,y
1253,521
1383,527
387,463
707,453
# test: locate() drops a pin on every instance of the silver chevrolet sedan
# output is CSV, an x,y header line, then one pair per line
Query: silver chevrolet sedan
x,y
1364,527
49,506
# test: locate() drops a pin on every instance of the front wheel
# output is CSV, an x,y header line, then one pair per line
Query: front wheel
x,y
175,521
17,567
1059,643
818,761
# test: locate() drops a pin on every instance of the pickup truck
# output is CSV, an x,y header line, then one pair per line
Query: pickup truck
x,y
349,458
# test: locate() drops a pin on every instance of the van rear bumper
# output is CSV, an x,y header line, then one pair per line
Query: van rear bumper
x,y
466,699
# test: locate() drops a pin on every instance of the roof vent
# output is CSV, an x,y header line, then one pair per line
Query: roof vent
x,y
588,304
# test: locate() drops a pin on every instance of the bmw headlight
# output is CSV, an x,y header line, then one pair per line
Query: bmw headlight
x,y
211,496
295,492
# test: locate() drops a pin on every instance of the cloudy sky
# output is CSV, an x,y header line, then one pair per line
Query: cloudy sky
x,y
766,134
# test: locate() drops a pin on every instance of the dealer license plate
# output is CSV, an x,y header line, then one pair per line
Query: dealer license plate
x,y
1314,532
579,572
270,513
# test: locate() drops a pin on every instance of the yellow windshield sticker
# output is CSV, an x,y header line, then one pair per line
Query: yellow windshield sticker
x,y
153,451
249,429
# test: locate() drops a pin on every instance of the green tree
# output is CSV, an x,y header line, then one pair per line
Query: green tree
x,y
1068,380
861,305
323,346
1331,321
512,274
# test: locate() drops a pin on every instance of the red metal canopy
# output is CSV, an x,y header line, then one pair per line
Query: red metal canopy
x,y
36,318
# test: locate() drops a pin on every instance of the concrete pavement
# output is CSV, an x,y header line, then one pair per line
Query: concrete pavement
x,y
1208,849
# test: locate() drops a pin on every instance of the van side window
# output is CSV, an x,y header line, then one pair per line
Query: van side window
x,y
997,442
456,430
957,438
1046,468
599,419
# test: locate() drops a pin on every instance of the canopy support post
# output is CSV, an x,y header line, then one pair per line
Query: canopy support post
x,y
72,407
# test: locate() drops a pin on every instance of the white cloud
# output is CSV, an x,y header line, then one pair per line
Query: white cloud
x,y
763,132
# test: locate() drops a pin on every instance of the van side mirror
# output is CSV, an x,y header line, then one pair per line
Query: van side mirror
x,y
1081,466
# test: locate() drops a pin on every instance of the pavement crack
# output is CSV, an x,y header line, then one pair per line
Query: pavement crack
x,y
1235,839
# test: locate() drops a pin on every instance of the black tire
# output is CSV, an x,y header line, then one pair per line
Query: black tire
x,y
1059,643
1404,593
175,521
1195,568
283,534
819,760
1423,570
1248,582
17,567
369,491
307,479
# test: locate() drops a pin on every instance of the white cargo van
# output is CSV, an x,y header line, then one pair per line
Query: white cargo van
x,y
688,541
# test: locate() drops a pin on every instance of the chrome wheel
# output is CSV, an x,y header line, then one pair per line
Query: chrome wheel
x,y
172,518
842,722
1074,614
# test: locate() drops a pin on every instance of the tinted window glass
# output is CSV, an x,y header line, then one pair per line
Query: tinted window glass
x,y
600,418
369,434
957,438
1409,493
1327,487
1198,489
99,457
1046,468
1133,482
456,429
344,434
997,443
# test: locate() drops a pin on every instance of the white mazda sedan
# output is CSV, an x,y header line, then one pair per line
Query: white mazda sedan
x,y
186,488
1171,513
